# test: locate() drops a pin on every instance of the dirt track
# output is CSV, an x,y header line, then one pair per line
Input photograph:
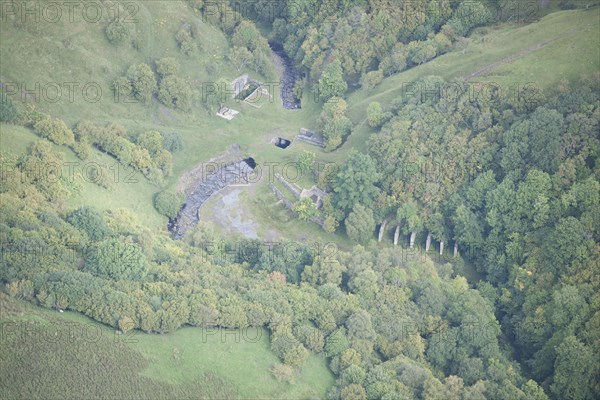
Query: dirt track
x,y
522,53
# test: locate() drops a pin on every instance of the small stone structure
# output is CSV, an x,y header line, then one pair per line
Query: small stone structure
x,y
282,143
290,206
242,83
315,194
311,137
293,188
256,95
396,235
280,196
381,230
227,113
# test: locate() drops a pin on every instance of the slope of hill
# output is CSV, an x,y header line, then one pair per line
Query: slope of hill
x,y
71,67
561,46
45,354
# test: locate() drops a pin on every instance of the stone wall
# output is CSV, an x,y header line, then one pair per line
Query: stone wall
x,y
296,191
311,137
281,197
289,205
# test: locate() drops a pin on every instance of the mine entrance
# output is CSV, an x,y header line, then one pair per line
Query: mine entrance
x,y
251,162
282,143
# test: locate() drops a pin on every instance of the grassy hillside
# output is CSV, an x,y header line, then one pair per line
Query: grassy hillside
x,y
45,354
559,47
79,52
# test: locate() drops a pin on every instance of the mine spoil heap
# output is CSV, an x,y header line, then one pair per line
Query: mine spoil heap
x,y
236,173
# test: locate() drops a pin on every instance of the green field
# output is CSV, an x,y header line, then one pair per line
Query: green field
x,y
66,355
